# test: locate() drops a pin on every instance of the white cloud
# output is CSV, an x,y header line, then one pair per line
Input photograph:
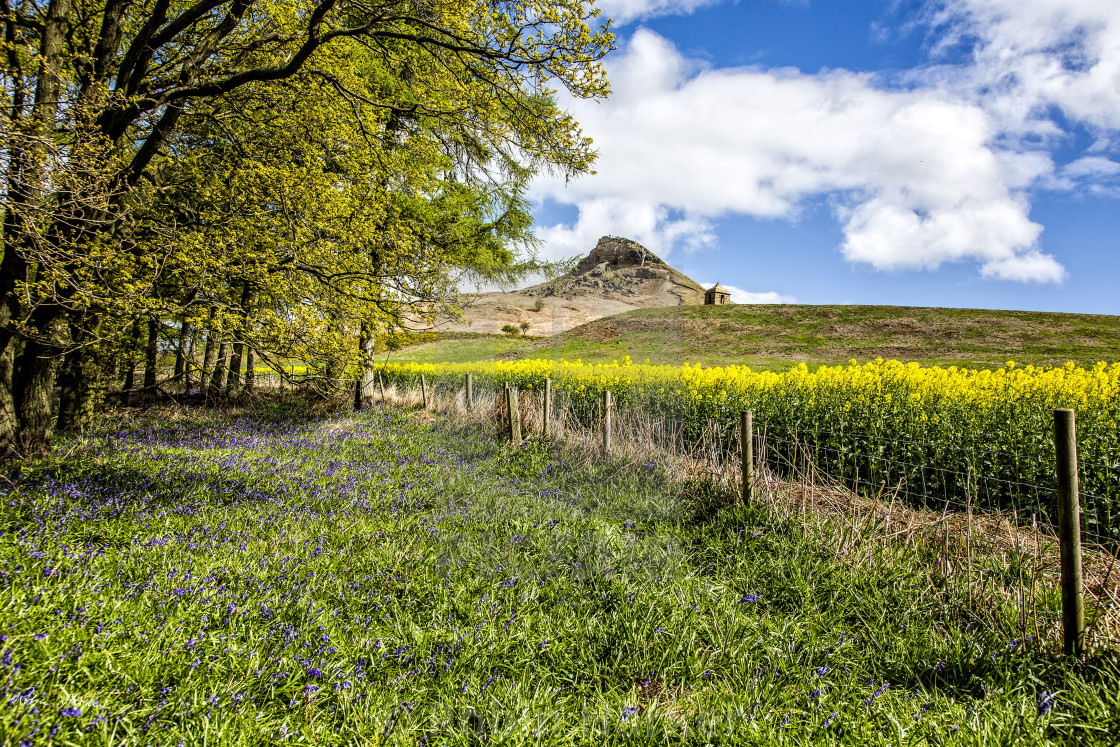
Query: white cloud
x,y
1091,166
915,175
738,295
625,11
1092,175
1030,55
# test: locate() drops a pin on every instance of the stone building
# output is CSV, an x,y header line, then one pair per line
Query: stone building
x,y
717,295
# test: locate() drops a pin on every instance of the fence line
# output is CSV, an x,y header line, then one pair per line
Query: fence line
x,y
959,511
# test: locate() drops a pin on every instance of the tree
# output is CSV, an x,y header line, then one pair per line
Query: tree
x,y
103,113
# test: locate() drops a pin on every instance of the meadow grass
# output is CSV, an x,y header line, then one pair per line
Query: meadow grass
x,y
390,577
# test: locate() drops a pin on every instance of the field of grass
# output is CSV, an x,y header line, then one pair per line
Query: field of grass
x,y
455,347
261,577
775,337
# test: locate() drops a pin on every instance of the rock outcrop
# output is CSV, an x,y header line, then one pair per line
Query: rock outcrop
x,y
617,275
624,269
617,252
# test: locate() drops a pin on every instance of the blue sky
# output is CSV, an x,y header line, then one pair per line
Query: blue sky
x,y
943,153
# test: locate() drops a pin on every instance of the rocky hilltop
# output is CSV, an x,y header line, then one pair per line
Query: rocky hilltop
x,y
625,270
617,275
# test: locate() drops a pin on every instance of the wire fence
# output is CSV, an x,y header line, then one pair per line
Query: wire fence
x,y
970,504
937,476
988,504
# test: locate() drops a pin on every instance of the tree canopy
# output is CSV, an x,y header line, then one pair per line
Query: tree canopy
x,y
281,178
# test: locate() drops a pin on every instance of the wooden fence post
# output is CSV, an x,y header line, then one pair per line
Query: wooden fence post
x,y
746,446
546,412
606,422
470,392
381,382
1069,532
424,390
514,416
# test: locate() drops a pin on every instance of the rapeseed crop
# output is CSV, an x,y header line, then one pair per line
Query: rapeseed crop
x,y
949,434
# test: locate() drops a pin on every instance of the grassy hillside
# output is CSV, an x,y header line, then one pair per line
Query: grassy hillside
x,y
776,337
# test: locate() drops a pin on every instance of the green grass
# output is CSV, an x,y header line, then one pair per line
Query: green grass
x,y
776,337
455,347
378,578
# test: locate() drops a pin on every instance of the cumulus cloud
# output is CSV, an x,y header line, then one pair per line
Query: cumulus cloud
x,y
738,295
915,176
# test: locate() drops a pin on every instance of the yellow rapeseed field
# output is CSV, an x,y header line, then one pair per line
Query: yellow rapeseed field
x,y
944,431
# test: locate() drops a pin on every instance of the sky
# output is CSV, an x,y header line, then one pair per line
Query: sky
x,y
958,153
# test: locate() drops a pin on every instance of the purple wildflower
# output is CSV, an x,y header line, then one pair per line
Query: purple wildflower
x,y
882,689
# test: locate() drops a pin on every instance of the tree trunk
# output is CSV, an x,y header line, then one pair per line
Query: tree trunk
x,y
233,378
9,422
81,378
110,371
233,385
27,378
250,362
364,388
188,364
218,380
36,371
151,354
330,373
129,360
181,350
208,357
13,270
23,184
80,387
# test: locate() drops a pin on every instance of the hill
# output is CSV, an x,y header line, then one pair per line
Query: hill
x,y
778,336
617,276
